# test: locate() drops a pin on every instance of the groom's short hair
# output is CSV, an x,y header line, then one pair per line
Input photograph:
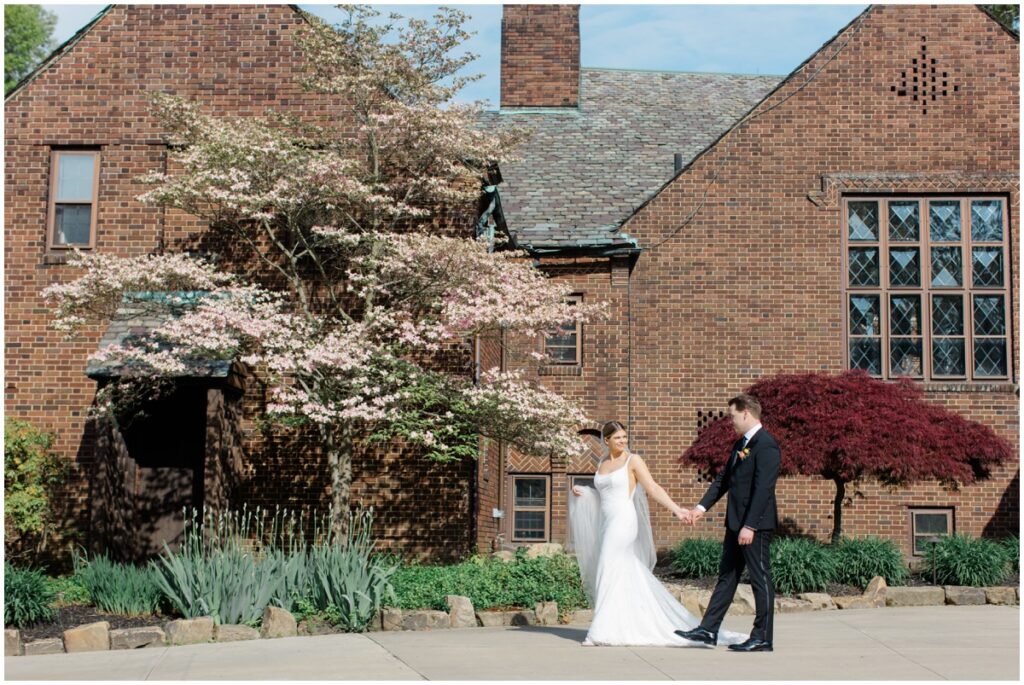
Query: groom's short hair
x,y
745,401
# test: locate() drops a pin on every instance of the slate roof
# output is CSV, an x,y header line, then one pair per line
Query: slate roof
x,y
585,170
140,313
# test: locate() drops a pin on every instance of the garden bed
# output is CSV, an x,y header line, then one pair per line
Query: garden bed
x,y
78,615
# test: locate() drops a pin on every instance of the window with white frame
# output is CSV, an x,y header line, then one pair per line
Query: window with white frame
x,y
531,512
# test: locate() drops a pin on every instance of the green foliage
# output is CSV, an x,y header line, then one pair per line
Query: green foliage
x,y
28,39
32,477
858,560
962,560
117,588
69,590
1008,15
349,582
697,557
226,583
1011,546
434,406
491,583
234,565
801,565
27,597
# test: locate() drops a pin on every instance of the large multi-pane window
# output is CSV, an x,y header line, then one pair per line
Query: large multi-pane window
x,y
927,288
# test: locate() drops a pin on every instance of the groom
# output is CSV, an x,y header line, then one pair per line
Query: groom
x,y
751,516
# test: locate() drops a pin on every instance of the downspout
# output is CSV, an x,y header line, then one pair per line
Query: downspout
x,y
629,351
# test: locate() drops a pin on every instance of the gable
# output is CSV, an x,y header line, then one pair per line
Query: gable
x,y
107,15
810,68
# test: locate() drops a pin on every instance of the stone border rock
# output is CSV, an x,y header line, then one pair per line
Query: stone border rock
x,y
279,623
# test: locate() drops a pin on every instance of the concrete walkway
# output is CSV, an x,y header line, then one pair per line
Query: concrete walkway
x,y
919,643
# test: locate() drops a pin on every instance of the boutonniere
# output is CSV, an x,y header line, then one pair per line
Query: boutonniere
x,y
743,453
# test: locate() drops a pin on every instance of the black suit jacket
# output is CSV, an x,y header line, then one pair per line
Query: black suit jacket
x,y
750,483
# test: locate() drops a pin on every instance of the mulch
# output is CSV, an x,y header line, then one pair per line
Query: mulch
x,y
316,626
80,614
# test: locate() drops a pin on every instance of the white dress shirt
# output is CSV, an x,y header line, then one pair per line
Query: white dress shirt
x,y
746,438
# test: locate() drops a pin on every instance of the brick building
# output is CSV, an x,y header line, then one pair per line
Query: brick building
x,y
858,212
78,135
907,106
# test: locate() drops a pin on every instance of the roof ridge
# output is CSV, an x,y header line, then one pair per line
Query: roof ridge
x,y
57,53
679,71
743,118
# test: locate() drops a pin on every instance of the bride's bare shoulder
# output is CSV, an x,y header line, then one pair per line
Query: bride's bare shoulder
x,y
637,464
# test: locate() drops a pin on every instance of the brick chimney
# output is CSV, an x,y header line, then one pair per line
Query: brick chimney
x,y
540,56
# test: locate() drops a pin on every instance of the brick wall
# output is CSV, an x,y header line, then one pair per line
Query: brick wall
x,y
752,286
540,56
237,60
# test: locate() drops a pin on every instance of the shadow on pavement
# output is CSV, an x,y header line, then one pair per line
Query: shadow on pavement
x,y
564,632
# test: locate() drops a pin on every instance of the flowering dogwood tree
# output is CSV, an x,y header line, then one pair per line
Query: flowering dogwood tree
x,y
355,298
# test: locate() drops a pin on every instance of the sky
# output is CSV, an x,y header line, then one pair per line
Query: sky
x,y
738,39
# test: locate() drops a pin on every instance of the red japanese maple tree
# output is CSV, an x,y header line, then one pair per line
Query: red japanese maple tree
x,y
850,426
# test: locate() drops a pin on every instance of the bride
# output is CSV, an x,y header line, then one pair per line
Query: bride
x,y
611,531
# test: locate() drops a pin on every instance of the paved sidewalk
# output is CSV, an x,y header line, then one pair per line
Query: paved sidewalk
x,y
919,643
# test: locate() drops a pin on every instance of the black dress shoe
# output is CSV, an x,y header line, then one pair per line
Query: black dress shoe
x,y
752,645
699,635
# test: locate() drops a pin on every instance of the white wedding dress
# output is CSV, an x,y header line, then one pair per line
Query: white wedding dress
x,y
615,548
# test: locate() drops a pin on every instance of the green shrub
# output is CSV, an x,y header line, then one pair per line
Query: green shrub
x,y
1011,546
349,582
215,572
801,565
27,597
226,584
697,557
32,477
962,560
858,560
117,588
491,583
69,590
232,566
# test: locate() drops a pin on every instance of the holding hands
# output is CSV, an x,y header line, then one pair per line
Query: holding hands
x,y
690,516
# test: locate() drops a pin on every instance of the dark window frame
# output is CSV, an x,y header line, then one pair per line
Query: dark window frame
x,y
575,298
925,290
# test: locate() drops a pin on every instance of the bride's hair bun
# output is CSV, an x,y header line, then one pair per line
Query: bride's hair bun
x,y
611,428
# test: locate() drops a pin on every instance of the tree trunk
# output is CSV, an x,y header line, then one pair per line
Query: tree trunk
x,y
339,447
837,510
